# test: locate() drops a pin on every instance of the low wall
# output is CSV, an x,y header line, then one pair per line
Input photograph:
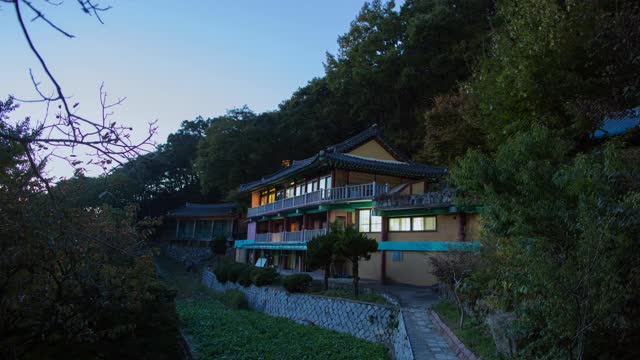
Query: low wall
x,y
373,322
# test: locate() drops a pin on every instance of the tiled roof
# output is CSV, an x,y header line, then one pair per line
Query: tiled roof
x,y
204,210
613,126
334,156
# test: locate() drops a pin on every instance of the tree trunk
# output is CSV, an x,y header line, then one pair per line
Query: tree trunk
x,y
326,277
355,276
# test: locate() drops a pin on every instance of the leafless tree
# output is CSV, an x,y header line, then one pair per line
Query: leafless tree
x,y
105,140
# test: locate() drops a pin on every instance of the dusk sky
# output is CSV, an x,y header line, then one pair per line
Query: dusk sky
x,y
175,60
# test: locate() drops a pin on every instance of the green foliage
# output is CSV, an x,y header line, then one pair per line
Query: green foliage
x,y
561,211
474,334
220,333
263,276
221,271
297,283
235,299
219,245
234,271
321,252
354,246
244,278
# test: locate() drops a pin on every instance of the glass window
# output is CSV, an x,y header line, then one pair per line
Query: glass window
x,y
396,255
280,194
272,196
300,189
323,183
290,192
376,223
400,224
328,179
309,186
263,197
418,224
364,220
430,223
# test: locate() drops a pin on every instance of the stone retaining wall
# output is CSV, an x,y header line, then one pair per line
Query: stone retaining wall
x,y
373,322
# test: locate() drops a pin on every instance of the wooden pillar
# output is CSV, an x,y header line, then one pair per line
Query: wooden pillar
x,y
384,236
462,222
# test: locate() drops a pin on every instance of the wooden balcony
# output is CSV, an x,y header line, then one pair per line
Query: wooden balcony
x,y
402,201
322,196
287,237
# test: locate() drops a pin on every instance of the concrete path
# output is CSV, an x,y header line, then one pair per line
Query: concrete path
x,y
426,341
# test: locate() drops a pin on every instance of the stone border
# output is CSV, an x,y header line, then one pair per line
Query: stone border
x,y
462,352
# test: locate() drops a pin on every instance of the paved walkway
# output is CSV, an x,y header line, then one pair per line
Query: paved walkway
x,y
426,341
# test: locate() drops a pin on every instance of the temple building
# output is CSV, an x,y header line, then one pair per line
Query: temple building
x,y
365,182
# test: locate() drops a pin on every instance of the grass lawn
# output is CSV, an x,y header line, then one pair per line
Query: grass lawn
x,y
215,331
474,335
348,294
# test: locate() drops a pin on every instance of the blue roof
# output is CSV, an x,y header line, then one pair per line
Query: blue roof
x,y
612,126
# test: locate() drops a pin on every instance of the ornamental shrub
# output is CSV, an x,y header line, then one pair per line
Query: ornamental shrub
x,y
244,278
235,299
220,270
234,271
263,276
299,283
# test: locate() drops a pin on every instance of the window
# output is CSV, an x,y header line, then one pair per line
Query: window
x,y
309,187
364,220
400,224
417,223
396,255
300,189
368,222
263,197
272,196
280,194
290,192
376,223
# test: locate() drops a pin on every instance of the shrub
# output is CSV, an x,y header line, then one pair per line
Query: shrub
x,y
234,271
220,270
219,245
263,276
235,299
244,278
297,283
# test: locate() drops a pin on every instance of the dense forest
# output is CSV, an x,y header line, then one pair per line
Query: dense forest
x,y
508,94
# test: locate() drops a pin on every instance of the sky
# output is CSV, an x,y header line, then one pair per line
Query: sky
x,y
173,60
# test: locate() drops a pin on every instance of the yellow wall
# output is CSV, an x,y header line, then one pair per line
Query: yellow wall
x,y
372,149
341,177
360,178
369,269
473,227
414,268
417,188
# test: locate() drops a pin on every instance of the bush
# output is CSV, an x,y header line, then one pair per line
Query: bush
x,y
263,276
244,278
234,271
297,283
235,299
221,270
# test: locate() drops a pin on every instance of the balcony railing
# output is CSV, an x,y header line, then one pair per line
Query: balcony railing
x,y
400,201
285,237
349,192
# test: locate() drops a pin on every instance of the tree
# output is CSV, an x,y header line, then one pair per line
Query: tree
x,y
560,208
452,270
354,246
321,251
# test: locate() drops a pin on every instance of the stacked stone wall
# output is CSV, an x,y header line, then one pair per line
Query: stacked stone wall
x,y
373,322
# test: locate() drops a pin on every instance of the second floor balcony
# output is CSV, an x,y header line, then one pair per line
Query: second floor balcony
x,y
322,196
286,237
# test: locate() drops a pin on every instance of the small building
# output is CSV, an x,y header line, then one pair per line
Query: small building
x,y
365,182
196,225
